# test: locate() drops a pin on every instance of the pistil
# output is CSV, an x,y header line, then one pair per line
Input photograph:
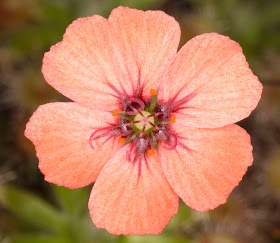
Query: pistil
x,y
144,122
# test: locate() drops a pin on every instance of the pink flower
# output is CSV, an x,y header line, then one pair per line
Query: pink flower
x,y
148,124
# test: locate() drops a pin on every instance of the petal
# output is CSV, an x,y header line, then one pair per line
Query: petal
x,y
213,163
132,198
60,133
148,42
99,60
213,69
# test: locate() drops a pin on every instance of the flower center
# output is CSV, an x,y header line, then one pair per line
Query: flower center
x,y
144,124
144,121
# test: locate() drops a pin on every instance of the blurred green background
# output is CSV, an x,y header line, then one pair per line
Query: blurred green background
x,y
32,210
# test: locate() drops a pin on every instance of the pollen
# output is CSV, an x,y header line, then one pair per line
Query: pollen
x,y
151,152
115,112
121,140
144,121
153,92
173,119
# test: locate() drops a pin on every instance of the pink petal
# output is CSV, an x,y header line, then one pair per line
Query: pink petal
x,y
132,198
148,42
214,70
97,53
60,133
214,163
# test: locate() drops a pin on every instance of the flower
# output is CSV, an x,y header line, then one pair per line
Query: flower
x,y
148,125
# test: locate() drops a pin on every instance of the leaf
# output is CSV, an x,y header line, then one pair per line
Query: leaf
x,y
143,4
155,238
30,238
182,218
32,209
72,201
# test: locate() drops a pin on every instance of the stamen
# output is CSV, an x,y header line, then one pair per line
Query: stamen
x,y
121,140
175,142
128,118
167,121
153,104
173,119
164,122
154,143
153,92
115,112
143,125
132,137
151,152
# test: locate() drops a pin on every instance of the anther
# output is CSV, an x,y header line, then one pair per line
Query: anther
x,y
115,112
173,119
121,140
153,92
151,152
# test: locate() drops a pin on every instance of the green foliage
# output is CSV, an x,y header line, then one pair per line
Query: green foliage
x,y
30,238
50,19
143,4
68,220
72,201
41,221
33,210
63,215
156,238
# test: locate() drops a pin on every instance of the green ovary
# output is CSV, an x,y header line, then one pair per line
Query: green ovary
x,y
144,121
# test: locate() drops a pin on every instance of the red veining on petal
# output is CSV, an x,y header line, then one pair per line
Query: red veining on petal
x,y
128,154
121,96
181,102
